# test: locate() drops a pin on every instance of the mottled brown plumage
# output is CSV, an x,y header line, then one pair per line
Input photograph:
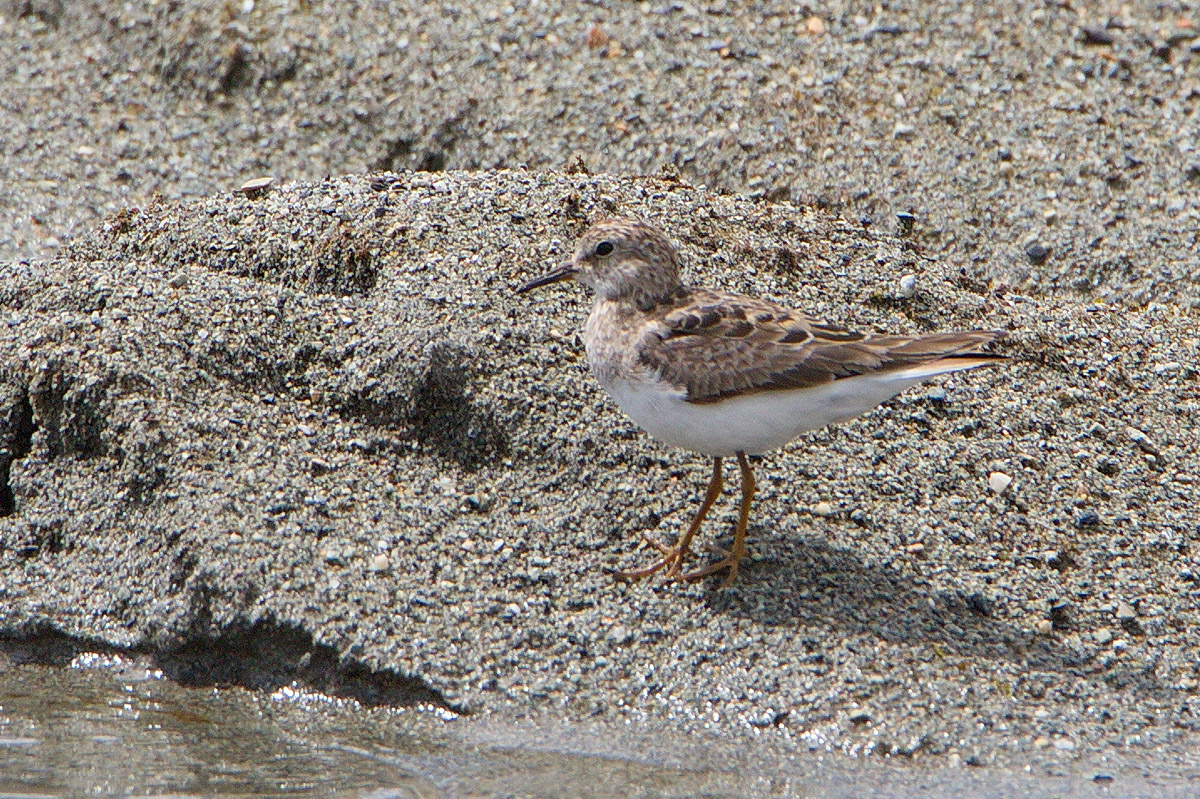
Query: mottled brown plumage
x,y
715,345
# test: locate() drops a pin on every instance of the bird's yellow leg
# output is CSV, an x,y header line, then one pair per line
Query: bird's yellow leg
x,y
672,559
733,557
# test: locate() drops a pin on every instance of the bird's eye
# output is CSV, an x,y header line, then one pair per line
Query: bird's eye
x,y
604,248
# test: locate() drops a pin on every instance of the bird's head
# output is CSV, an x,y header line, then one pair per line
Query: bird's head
x,y
619,259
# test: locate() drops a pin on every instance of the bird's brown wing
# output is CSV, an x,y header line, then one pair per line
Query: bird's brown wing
x,y
714,346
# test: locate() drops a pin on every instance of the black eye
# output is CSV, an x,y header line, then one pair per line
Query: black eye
x,y
604,248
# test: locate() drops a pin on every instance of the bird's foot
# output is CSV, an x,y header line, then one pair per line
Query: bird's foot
x,y
671,560
729,560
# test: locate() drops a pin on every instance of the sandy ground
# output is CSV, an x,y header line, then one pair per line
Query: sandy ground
x,y
317,420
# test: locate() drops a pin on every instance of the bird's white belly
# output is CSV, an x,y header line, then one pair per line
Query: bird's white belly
x,y
750,423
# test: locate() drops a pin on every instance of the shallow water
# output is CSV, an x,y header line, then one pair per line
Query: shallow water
x,y
108,726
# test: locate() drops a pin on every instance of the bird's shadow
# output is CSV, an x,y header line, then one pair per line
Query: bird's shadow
x,y
811,584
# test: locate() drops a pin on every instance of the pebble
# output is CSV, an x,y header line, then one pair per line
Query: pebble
x,y
1037,253
998,482
255,186
1064,745
1125,612
1102,637
937,394
1044,627
903,131
1093,34
907,287
379,563
823,509
978,603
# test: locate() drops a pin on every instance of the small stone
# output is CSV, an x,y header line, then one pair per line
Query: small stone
x,y
1096,35
255,187
1044,627
1089,519
177,280
1168,368
999,482
1041,742
915,549
976,760
815,26
84,150
379,563
903,131
618,635
907,287
1037,253
860,718
1102,778
980,604
1061,615
1062,561
1102,637
905,222
823,509
333,557
597,38
1125,612
1064,745
936,394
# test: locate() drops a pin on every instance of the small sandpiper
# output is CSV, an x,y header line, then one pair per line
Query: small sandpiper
x,y
727,375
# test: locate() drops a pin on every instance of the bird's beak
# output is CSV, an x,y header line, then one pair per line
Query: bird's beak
x,y
563,271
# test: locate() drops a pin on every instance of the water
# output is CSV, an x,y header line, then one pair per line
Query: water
x,y
111,726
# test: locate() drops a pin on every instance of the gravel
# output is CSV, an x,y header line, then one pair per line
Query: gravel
x,y
990,125
344,421
315,405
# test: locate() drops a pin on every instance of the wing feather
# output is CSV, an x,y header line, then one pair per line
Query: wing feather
x,y
715,346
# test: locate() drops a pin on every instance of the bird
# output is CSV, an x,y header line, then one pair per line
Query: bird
x,y
727,375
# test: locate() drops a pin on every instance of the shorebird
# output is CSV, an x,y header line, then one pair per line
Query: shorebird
x,y
727,375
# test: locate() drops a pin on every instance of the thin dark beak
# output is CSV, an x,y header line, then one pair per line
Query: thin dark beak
x,y
563,271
